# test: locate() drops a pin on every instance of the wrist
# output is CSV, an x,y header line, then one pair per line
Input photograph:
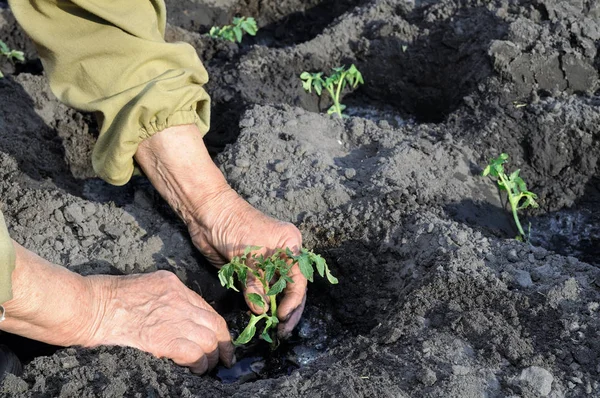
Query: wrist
x,y
50,303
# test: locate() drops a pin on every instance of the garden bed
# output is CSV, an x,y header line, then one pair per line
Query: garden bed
x,y
436,298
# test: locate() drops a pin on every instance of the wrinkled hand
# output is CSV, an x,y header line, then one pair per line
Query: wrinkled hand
x,y
236,225
153,312
158,314
220,222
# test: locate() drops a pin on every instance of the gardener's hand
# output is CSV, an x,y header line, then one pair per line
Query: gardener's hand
x,y
153,312
236,225
158,314
220,222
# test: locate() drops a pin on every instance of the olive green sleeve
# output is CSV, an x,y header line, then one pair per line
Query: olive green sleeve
x,y
7,262
110,57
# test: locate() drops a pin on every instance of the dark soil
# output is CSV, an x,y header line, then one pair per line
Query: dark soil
x,y
435,297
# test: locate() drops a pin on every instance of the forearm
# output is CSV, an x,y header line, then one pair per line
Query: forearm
x,y
50,303
179,166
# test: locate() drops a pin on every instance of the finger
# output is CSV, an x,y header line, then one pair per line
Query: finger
x,y
211,319
293,299
208,342
253,285
187,353
284,329
217,324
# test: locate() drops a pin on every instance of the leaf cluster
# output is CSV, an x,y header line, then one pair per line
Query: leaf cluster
x,y
10,54
236,31
519,196
333,84
275,268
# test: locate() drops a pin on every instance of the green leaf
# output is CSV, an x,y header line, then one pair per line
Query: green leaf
x,y
320,263
486,171
270,272
238,33
306,267
514,174
332,279
256,299
242,274
305,76
307,86
226,276
247,334
266,337
18,55
318,84
277,287
4,48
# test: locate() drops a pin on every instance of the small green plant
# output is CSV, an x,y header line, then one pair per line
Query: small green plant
x,y
10,54
334,84
235,32
265,269
518,195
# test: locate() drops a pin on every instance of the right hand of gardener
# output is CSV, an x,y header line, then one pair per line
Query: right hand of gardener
x,y
158,314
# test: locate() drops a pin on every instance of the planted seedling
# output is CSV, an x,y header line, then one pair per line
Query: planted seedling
x,y
518,195
236,31
10,54
266,269
334,84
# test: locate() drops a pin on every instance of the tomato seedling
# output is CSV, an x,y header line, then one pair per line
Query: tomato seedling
x,y
518,195
266,269
10,54
334,84
236,31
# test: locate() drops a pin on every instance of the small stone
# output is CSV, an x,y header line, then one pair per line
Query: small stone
x,y
460,370
247,122
427,377
279,167
73,213
272,194
460,237
349,173
523,278
58,215
69,362
537,378
58,245
384,124
430,227
512,256
242,163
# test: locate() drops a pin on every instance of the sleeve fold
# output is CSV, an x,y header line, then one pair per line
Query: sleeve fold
x,y
109,57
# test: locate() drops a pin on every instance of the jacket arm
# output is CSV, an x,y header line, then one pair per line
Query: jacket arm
x,y
110,57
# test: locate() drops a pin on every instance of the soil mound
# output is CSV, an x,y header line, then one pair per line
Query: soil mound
x,y
436,298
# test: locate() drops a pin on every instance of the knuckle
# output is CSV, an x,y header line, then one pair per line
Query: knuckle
x,y
166,276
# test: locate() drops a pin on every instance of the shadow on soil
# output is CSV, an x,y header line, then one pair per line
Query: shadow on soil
x,y
428,76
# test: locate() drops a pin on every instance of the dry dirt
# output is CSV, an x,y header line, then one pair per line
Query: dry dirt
x,y
435,297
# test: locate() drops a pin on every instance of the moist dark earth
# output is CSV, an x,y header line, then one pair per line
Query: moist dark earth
x,y
436,298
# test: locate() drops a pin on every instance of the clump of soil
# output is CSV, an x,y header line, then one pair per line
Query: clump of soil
x,y
436,298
